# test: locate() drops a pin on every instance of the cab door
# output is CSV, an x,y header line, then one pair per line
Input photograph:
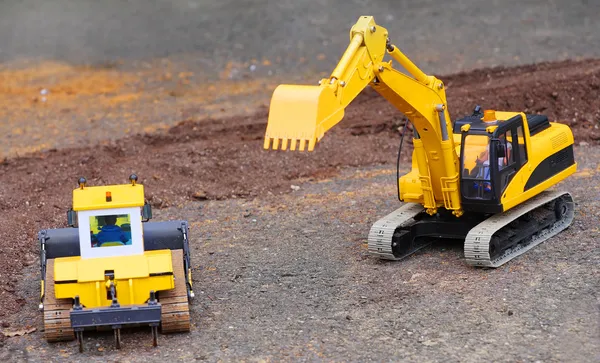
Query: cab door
x,y
508,148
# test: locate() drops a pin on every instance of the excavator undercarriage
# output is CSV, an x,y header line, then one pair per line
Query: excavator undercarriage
x,y
489,240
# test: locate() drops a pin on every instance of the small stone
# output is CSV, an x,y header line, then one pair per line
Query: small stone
x,y
510,313
200,195
295,187
348,317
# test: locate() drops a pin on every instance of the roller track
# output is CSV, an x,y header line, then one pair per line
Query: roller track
x,y
57,312
478,241
175,315
382,232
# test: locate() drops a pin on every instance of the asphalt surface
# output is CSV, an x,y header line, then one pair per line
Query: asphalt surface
x,y
205,35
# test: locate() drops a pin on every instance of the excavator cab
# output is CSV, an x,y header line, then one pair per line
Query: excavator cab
x,y
492,152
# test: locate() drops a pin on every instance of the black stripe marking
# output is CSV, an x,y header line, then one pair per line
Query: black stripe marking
x,y
161,274
551,166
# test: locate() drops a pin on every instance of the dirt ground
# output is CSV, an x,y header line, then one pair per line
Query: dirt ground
x,y
284,274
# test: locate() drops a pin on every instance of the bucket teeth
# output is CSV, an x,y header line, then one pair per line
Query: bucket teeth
x,y
302,144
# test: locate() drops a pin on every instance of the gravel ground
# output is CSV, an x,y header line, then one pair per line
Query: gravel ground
x,y
285,276
288,278
223,158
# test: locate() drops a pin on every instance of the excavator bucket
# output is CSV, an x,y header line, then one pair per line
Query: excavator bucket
x,y
300,115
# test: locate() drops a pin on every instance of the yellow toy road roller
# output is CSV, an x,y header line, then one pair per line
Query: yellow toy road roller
x,y
113,268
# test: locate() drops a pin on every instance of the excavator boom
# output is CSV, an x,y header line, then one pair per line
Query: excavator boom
x,y
300,115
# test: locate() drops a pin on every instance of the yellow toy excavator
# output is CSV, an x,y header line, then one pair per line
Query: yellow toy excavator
x,y
482,179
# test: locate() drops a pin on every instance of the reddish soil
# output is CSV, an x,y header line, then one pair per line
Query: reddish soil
x,y
223,158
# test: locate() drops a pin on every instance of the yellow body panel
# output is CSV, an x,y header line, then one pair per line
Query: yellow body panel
x,y
122,196
541,146
134,277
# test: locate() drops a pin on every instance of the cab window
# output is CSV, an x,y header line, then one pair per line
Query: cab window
x,y
110,230
476,179
506,144
475,156
521,143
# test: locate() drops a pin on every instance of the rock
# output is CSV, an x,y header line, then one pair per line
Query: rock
x,y
19,332
429,343
200,195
